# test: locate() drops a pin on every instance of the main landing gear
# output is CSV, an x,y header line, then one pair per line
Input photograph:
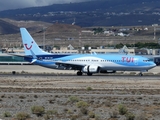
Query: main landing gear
x,y
79,73
89,74
140,74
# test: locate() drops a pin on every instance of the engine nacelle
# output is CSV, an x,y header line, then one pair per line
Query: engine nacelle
x,y
107,71
90,69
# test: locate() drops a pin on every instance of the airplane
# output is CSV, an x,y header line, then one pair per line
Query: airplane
x,y
83,63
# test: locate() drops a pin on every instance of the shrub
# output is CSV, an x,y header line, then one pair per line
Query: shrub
x,y
23,72
22,97
130,116
7,114
73,99
132,73
84,111
122,109
74,117
47,117
89,88
22,116
38,110
51,112
113,114
81,104
65,109
35,96
97,117
69,112
91,114
3,96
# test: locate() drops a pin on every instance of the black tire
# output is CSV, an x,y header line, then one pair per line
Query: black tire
x,y
79,73
89,74
140,74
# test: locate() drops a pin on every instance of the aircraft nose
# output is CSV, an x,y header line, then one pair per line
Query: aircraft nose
x,y
153,64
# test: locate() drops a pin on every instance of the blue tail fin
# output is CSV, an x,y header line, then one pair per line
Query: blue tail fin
x,y
29,44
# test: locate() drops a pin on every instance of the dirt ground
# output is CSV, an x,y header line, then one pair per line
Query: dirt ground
x,y
102,94
72,97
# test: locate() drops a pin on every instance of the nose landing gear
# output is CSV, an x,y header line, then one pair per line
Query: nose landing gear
x,y
140,74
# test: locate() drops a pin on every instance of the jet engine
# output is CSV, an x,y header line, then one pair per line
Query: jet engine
x,y
90,69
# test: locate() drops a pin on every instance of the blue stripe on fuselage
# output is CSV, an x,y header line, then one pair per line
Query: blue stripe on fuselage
x,y
46,57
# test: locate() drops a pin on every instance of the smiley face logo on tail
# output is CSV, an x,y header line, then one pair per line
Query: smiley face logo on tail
x,y
28,48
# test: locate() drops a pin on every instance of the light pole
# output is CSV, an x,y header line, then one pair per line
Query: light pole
x,y
154,30
80,41
44,39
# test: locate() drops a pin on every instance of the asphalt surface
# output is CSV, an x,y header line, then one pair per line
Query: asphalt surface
x,y
38,69
74,76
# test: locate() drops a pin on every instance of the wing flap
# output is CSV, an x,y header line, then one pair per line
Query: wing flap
x,y
69,65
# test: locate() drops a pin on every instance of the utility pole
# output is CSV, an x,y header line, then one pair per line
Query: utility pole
x,y
44,39
80,41
154,30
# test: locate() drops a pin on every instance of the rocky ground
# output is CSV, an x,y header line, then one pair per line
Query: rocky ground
x,y
80,98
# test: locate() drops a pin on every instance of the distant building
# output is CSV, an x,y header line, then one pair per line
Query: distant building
x,y
122,34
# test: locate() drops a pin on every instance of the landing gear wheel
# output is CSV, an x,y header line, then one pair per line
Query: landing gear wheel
x,y
89,74
140,74
79,73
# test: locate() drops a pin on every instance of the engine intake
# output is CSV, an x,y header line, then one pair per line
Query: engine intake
x,y
90,69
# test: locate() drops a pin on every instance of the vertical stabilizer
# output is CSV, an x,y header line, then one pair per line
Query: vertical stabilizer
x,y
29,44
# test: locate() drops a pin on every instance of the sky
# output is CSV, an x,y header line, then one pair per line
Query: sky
x,y
15,4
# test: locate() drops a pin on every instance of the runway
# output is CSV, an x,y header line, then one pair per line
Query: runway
x,y
32,69
74,76
49,81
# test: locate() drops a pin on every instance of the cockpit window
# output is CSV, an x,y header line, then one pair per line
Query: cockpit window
x,y
151,60
146,60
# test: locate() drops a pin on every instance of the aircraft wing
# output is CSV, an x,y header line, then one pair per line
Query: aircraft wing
x,y
19,55
70,66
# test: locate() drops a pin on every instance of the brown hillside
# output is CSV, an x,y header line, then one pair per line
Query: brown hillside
x,y
63,28
7,28
30,25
